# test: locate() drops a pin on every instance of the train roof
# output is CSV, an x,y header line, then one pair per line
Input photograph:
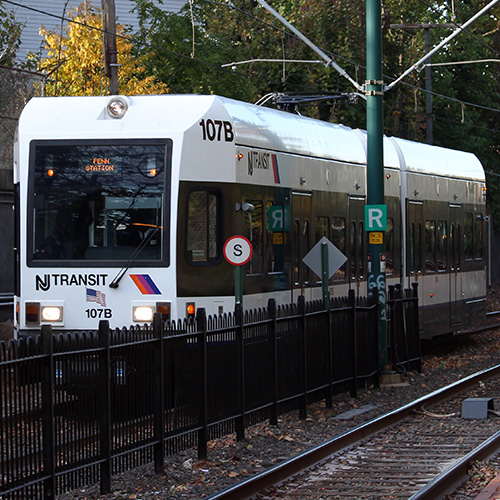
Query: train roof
x,y
255,126
278,130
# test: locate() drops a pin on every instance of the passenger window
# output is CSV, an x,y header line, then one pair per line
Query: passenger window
x,y
275,237
468,235
361,250
442,246
203,227
353,251
478,237
296,262
254,224
338,239
321,228
430,246
389,247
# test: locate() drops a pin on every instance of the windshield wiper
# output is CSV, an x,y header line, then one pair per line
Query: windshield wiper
x,y
133,258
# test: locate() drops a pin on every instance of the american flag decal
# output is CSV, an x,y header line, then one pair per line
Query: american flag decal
x,y
96,296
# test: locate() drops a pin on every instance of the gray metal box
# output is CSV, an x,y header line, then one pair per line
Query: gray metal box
x,y
476,407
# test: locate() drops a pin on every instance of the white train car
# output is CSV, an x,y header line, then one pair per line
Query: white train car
x,y
124,205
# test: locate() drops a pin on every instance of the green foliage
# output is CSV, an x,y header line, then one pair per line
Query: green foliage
x,y
75,58
10,36
188,50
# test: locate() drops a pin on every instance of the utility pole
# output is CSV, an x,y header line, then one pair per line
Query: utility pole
x,y
428,76
375,169
110,52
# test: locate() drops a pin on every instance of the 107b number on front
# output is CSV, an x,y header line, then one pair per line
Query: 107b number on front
x,y
99,313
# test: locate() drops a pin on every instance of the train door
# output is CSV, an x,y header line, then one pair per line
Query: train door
x,y
455,245
357,241
301,242
415,218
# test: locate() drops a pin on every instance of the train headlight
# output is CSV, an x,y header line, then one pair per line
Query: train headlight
x,y
117,106
52,314
143,314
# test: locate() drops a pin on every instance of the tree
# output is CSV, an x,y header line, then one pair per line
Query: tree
x,y
75,59
190,48
10,36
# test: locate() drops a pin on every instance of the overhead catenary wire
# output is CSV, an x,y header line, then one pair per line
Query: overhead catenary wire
x,y
315,48
215,66
442,44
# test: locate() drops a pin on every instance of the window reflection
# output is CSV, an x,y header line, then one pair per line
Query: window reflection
x,y
98,202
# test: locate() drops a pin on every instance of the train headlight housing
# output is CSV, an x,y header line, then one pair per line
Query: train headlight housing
x,y
143,313
117,106
37,314
52,314
32,313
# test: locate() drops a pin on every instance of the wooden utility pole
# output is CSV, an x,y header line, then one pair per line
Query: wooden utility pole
x,y
110,52
428,77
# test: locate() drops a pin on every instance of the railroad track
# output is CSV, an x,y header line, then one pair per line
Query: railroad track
x,y
410,453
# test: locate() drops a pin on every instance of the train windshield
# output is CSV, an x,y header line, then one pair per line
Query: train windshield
x,y
99,202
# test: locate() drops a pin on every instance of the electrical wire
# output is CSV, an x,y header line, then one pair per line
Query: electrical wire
x,y
218,67
138,42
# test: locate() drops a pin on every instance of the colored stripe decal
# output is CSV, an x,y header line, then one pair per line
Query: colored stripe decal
x,y
145,284
275,169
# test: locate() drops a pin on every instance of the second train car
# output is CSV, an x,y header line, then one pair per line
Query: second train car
x,y
124,205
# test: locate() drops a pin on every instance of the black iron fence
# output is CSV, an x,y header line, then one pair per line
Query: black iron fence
x,y
79,408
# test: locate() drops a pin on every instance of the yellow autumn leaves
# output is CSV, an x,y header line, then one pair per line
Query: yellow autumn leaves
x,y
75,59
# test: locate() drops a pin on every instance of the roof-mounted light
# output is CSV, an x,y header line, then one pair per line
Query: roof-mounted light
x,y
117,106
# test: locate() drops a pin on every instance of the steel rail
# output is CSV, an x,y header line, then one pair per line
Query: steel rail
x,y
447,481
284,470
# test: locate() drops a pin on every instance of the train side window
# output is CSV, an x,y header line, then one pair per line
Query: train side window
x,y
478,237
430,246
204,227
418,248
389,247
361,250
411,248
275,237
442,246
296,246
254,224
306,272
468,236
353,253
338,239
321,228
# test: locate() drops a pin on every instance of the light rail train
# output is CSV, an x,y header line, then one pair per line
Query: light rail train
x,y
124,205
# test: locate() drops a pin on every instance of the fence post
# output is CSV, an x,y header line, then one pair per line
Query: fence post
x,y
104,384
303,399
374,321
201,327
354,327
415,322
158,394
271,305
240,366
329,392
48,413
391,322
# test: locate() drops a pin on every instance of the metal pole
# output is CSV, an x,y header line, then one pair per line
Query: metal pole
x,y
324,275
375,160
110,52
428,88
